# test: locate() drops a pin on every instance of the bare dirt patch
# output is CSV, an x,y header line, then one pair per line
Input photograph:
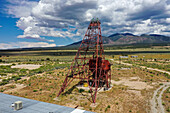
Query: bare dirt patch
x,y
18,87
137,93
138,85
6,64
27,66
12,87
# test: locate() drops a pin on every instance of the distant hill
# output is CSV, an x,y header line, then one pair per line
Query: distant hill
x,y
128,38
115,40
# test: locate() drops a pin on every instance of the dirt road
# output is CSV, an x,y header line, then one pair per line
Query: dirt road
x,y
156,102
144,67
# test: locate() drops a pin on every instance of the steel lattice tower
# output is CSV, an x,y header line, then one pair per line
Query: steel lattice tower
x,y
89,63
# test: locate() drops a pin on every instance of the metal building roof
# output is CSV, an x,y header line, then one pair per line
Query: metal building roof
x,y
33,106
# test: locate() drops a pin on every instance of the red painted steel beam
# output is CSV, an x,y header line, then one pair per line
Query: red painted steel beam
x,y
90,50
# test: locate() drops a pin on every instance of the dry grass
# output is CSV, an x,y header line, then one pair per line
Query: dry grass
x,y
121,98
44,87
166,100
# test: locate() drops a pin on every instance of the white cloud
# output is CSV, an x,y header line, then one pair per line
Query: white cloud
x,y
25,45
48,18
20,8
168,20
148,26
37,37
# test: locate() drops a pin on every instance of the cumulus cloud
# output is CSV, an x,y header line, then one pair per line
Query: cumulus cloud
x,y
147,26
49,18
20,8
25,45
148,9
37,37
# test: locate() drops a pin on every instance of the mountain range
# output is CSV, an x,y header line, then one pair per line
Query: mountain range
x,y
115,40
128,39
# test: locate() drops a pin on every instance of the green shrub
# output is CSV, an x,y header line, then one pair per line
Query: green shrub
x,y
50,95
23,70
81,90
3,74
161,84
47,58
35,90
4,81
40,71
167,75
89,91
16,78
106,109
22,75
1,90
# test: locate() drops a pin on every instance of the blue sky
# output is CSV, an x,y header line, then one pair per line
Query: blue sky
x,y
49,23
8,29
9,32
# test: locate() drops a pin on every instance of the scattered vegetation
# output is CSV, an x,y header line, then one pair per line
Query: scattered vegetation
x,y
44,83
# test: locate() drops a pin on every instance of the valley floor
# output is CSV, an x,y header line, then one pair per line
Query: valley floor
x,y
136,86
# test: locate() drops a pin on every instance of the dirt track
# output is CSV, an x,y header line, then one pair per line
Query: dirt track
x,y
156,102
144,67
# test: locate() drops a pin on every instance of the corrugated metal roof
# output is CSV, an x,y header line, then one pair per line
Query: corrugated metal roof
x,y
33,106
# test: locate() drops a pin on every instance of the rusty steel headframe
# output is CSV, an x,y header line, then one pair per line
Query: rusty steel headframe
x,y
89,63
